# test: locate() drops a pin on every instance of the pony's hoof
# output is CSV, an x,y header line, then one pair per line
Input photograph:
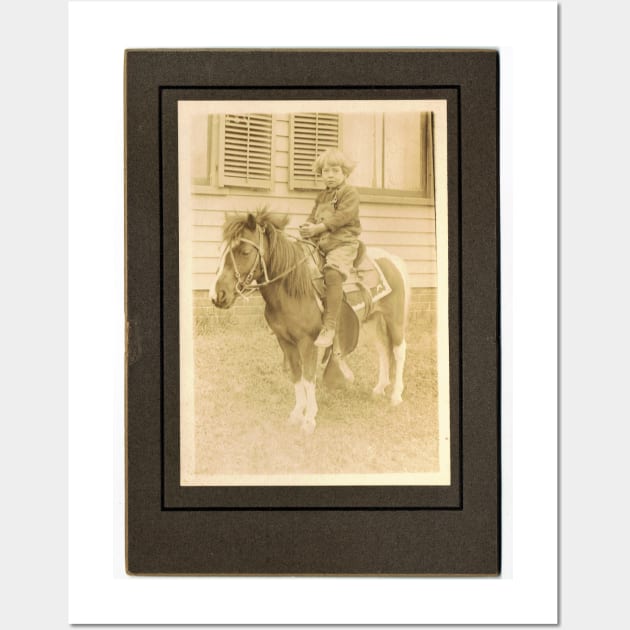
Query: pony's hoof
x,y
396,400
295,418
308,426
378,391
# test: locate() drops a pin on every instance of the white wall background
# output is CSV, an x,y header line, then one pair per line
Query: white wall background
x,y
99,32
593,365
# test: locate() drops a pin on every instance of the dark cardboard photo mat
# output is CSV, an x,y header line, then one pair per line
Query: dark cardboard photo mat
x,y
311,530
323,496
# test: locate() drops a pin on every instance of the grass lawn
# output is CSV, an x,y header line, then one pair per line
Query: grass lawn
x,y
243,398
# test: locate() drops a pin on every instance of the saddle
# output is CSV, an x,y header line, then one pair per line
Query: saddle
x,y
362,289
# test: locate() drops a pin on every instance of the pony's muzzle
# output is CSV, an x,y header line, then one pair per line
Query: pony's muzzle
x,y
219,299
222,296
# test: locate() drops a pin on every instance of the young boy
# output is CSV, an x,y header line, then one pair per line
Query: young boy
x,y
334,225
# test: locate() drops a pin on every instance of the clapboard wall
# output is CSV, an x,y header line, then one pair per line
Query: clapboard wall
x,y
402,225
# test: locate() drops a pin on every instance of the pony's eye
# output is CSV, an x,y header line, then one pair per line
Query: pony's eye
x,y
245,252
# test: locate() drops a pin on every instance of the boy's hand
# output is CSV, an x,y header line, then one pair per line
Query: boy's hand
x,y
308,230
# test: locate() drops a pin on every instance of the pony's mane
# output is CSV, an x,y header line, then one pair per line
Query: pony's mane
x,y
283,253
237,222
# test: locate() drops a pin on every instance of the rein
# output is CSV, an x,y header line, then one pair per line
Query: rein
x,y
246,288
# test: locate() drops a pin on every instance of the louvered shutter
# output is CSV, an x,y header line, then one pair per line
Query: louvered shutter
x,y
310,135
246,150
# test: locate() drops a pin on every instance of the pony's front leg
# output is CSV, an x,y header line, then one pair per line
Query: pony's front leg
x,y
305,408
308,353
297,415
294,361
308,422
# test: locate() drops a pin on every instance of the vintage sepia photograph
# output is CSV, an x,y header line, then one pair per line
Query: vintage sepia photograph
x,y
313,293
312,312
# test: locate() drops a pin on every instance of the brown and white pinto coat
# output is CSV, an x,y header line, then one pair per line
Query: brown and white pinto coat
x,y
260,256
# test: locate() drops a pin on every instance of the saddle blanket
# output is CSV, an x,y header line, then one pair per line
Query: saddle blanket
x,y
365,286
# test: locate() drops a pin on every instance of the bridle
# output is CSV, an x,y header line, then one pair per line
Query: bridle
x,y
246,287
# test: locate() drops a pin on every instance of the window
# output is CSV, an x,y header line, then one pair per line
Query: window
x,y
310,134
393,150
245,150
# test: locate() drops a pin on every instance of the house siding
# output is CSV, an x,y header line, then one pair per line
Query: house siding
x,y
422,307
400,227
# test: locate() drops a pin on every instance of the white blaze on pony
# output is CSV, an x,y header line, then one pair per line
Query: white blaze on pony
x,y
213,293
259,256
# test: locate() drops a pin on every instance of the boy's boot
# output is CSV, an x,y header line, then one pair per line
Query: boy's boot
x,y
334,294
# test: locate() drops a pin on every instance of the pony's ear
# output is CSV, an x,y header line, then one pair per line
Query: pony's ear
x,y
251,221
282,221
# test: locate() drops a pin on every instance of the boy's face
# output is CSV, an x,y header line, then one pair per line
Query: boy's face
x,y
333,176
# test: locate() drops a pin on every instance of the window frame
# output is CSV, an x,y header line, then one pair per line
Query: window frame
x,y
423,196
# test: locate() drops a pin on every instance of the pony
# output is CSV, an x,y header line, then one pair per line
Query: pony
x,y
260,256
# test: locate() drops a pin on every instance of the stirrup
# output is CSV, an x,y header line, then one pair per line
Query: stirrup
x,y
325,338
